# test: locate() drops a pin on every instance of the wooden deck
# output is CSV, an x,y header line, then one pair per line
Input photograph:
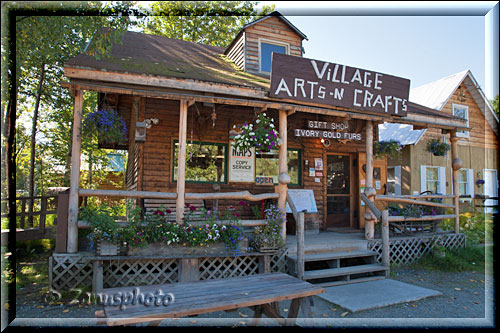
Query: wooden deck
x,y
345,240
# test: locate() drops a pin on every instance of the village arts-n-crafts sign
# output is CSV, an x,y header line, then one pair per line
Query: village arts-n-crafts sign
x,y
327,83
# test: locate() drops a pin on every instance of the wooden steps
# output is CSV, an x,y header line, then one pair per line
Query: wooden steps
x,y
341,265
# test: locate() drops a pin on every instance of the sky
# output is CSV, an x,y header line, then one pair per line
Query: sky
x,y
419,45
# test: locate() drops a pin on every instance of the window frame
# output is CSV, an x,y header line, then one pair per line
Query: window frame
x,y
299,166
463,134
271,42
396,180
441,180
226,156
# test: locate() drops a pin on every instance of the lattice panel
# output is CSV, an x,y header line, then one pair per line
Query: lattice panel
x,y
279,262
224,267
70,271
137,272
407,250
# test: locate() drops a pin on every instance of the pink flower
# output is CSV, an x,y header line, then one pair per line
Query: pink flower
x,y
242,203
192,208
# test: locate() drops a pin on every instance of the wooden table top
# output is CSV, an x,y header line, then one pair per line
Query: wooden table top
x,y
191,298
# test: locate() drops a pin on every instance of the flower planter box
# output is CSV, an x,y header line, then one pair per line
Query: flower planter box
x,y
159,249
105,248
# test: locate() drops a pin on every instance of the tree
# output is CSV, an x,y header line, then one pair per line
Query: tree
x,y
494,103
45,35
206,22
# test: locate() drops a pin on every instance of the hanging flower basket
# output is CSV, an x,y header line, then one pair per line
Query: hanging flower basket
x,y
437,148
392,149
106,125
262,135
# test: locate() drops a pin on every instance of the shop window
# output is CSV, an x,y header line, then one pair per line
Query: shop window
x,y
266,49
205,162
394,180
462,111
266,164
432,179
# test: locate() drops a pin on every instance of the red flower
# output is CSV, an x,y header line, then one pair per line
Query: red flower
x,y
168,211
192,208
158,212
242,203
187,205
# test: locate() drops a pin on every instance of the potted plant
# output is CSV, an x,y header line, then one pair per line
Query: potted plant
x,y
268,238
106,233
262,135
391,149
437,148
107,125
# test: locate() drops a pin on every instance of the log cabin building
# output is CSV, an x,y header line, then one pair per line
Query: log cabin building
x,y
419,170
203,91
181,102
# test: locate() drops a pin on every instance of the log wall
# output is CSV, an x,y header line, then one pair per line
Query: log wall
x,y
150,164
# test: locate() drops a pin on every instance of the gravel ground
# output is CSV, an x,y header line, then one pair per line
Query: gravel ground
x,y
466,301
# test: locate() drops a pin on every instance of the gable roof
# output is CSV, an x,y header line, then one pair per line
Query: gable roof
x,y
436,94
403,133
282,18
146,54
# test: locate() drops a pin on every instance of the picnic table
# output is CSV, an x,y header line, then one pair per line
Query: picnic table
x,y
260,292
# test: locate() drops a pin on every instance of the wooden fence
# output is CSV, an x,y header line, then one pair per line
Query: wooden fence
x,y
27,226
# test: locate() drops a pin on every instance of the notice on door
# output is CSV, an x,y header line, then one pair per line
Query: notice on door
x,y
241,164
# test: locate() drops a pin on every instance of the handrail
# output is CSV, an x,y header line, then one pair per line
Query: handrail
x,y
371,206
389,198
241,195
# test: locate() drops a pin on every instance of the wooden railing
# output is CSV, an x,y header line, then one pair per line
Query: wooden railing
x,y
27,229
385,219
62,239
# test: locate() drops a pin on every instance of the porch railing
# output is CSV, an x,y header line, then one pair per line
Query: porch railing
x,y
61,240
385,219
27,228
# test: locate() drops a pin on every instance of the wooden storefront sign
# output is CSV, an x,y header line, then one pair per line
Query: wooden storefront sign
x,y
327,130
327,83
241,164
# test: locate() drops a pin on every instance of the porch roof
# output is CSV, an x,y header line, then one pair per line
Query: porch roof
x,y
143,60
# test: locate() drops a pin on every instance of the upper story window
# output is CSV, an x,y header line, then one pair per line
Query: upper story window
x,y
266,49
462,111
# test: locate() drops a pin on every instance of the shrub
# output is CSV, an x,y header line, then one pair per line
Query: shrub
x,y
474,225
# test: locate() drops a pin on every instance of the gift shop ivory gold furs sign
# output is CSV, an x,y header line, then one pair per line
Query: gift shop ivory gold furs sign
x,y
338,85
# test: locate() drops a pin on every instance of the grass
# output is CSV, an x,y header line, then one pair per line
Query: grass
x,y
471,258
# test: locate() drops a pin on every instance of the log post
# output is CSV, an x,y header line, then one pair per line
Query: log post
x,y
283,167
181,162
369,190
386,255
300,246
456,164
72,246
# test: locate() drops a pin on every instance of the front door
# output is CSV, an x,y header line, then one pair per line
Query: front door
x,y
490,189
338,190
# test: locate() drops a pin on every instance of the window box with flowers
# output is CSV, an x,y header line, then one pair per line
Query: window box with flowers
x,y
159,234
268,238
106,234
262,135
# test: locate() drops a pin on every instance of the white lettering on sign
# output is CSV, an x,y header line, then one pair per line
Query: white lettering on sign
x,y
309,133
339,85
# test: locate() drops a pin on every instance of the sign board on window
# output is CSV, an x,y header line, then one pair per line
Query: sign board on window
x,y
264,180
241,164
321,82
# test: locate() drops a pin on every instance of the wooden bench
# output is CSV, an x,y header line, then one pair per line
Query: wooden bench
x,y
151,205
260,292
